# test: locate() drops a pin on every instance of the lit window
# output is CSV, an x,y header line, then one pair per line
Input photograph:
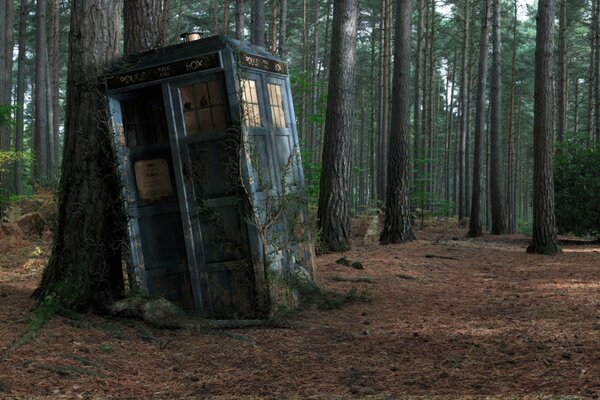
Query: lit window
x,y
250,103
276,102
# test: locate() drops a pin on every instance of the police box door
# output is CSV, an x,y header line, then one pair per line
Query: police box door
x,y
213,206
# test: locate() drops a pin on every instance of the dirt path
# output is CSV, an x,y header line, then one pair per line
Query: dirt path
x,y
447,317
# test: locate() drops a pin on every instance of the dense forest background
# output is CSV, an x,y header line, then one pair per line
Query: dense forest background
x,y
444,81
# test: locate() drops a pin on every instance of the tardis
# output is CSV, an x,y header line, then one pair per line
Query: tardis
x,y
206,147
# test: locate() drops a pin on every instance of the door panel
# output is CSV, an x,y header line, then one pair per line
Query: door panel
x,y
156,233
213,200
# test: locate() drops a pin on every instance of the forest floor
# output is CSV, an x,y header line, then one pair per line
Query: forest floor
x,y
446,316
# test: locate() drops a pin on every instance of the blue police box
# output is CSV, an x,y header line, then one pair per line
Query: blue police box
x,y
207,148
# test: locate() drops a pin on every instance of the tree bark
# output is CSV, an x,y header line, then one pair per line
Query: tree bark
x,y
418,94
283,29
143,28
398,227
511,178
84,269
497,201
475,218
386,18
544,240
561,95
239,19
334,211
40,152
54,75
20,112
257,36
464,100
6,62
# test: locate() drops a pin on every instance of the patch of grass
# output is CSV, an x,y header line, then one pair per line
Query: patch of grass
x,y
355,280
105,348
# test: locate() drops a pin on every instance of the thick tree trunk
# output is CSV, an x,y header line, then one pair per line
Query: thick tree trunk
x,y
84,269
497,201
257,36
334,201
398,226
544,238
474,221
143,28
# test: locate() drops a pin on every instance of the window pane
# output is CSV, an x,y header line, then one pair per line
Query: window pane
x,y
203,107
276,103
250,103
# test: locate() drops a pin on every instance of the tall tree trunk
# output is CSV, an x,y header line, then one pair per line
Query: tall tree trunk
x,y
418,95
84,269
597,74
334,202
362,175
20,112
143,25
40,153
6,62
239,19
592,70
225,30
464,117
54,75
314,87
398,226
497,201
511,180
544,240
257,36
475,218
273,26
386,27
283,29
561,87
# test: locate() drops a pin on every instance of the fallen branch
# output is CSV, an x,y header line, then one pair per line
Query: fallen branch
x,y
442,257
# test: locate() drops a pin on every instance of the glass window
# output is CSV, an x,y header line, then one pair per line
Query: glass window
x,y
144,117
276,103
250,103
203,108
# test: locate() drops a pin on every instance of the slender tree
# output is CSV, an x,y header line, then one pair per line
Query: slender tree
x,y
54,76
19,120
544,238
84,269
464,117
257,36
474,220
40,142
239,19
6,61
334,197
497,201
397,226
561,87
283,15
386,36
